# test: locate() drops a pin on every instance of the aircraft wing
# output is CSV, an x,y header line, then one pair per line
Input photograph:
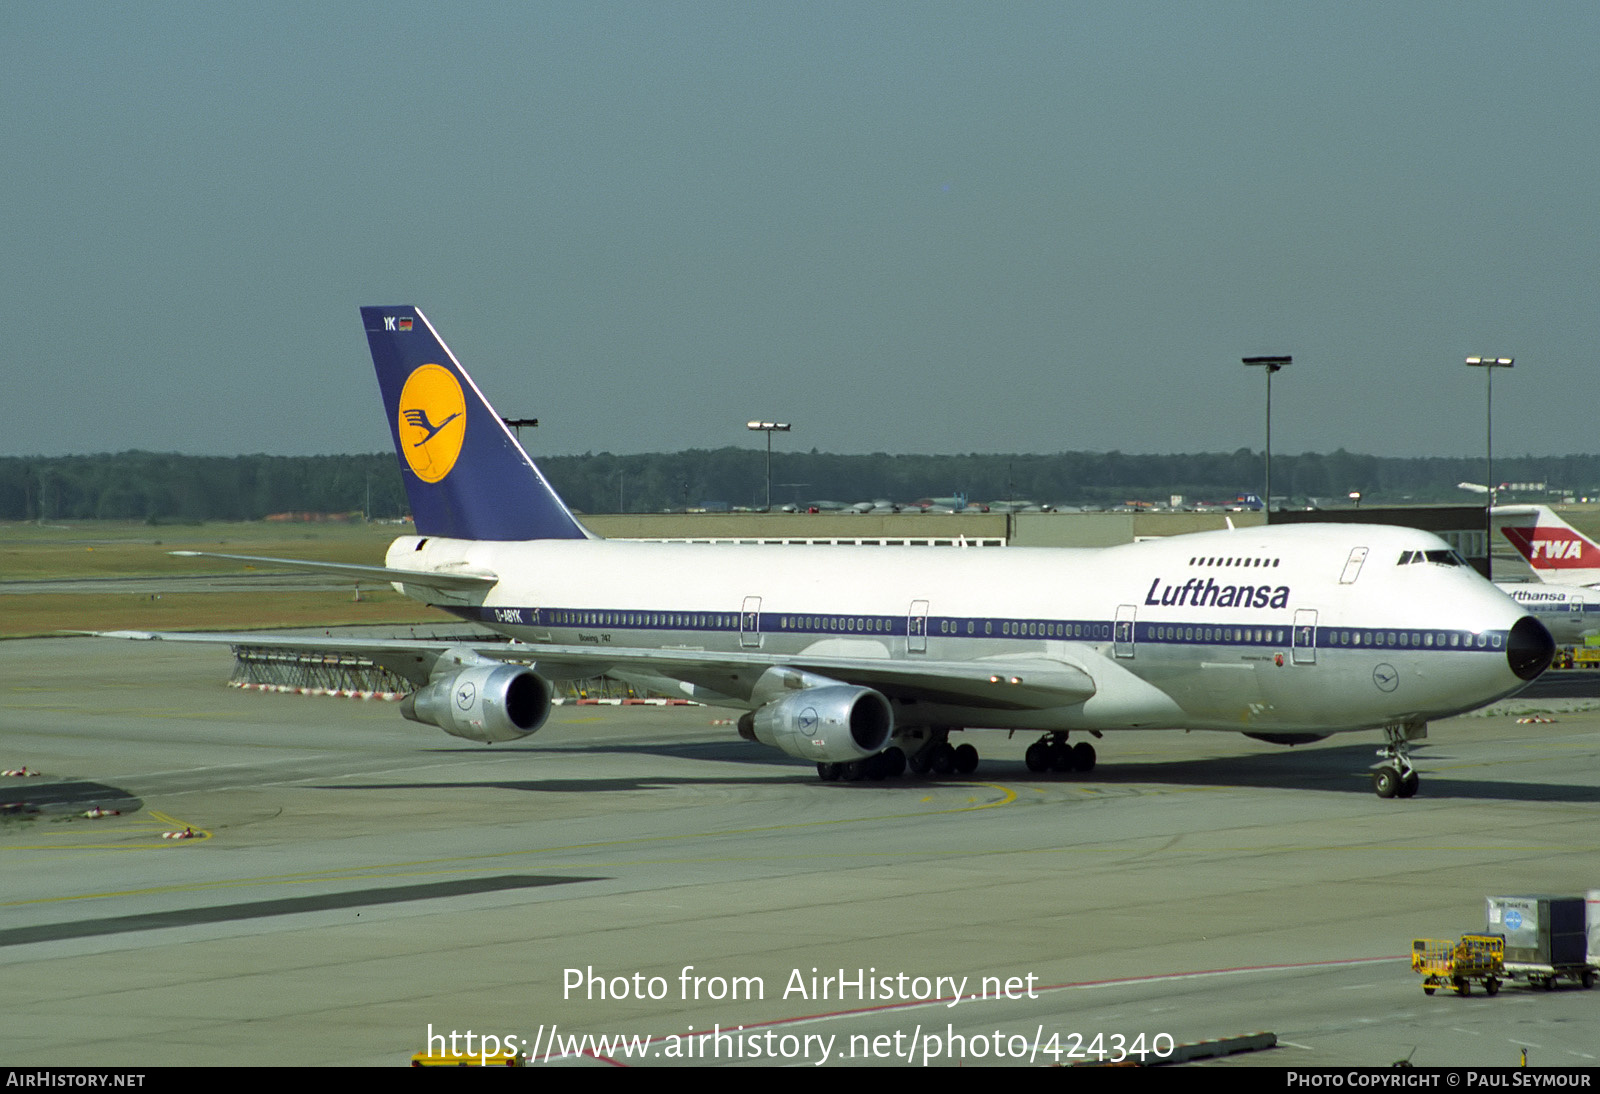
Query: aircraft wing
x,y
1007,684
1018,683
446,581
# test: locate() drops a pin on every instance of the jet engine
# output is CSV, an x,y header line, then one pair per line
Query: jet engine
x,y
833,724
486,702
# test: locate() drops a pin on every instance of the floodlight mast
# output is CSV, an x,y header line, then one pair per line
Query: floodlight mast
x,y
1271,365
518,423
1489,364
769,428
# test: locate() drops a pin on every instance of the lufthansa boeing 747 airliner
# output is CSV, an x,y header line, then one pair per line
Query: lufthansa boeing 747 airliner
x,y
864,660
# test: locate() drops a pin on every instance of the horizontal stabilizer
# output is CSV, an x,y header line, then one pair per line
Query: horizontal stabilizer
x,y
454,581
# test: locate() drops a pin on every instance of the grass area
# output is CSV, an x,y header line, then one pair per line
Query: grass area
x,y
50,613
110,549
78,549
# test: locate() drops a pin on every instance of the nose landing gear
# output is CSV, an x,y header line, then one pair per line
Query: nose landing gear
x,y
1395,777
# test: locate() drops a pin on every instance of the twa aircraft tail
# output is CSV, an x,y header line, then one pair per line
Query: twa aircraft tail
x,y
466,475
1558,552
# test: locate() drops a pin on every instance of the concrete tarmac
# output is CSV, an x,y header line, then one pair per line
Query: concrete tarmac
x,y
357,881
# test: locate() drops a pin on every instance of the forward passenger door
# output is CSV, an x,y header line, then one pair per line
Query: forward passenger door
x,y
917,627
1304,639
1122,636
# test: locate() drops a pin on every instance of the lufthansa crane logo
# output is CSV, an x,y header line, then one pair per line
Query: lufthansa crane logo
x,y
433,421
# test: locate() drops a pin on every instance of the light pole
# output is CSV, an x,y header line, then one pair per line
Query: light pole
x,y
1271,364
1489,364
518,423
769,428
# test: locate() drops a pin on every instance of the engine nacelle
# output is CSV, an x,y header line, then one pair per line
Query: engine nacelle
x,y
833,724
488,703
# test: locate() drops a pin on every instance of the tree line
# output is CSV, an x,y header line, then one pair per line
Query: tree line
x,y
156,487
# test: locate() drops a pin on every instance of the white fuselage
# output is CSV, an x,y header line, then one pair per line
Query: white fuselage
x,y
1306,629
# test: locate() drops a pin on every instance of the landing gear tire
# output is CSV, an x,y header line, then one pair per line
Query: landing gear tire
x,y
1060,756
943,759
1083,757
894,762
829,773
918,762
1037,757
1409,784
965,758
1386,782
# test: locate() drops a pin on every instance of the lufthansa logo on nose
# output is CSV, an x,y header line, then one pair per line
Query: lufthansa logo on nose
x,y
433,421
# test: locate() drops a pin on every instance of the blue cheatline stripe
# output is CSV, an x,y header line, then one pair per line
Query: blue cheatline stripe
x,y
1191,633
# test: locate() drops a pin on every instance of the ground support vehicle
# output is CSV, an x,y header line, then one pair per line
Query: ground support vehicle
x,y
1455,964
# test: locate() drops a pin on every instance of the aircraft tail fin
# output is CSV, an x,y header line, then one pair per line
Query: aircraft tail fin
x,y
466,475
1557,551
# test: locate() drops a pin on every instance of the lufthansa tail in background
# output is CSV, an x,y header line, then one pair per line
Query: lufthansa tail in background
x,y
865,660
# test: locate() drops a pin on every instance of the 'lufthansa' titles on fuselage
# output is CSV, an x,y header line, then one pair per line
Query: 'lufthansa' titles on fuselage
x,y
1197,593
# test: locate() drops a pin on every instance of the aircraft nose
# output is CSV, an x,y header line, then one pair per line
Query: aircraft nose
x,y
1529,648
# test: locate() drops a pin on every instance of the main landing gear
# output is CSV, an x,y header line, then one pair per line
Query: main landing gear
x,y
940,757
924,752
1395,777
888,764
928,752
1052,753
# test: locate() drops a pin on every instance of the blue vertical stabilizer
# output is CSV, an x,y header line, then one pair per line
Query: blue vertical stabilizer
x,y
465,474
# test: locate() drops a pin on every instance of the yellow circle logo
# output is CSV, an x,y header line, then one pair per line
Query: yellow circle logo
x,y
433,421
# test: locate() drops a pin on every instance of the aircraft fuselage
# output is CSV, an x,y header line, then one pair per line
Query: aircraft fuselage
x,y
1290,630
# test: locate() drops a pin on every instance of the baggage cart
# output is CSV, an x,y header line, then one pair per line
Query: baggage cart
x,y
1456,963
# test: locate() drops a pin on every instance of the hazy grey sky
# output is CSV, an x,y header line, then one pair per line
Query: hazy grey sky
x,y
904,227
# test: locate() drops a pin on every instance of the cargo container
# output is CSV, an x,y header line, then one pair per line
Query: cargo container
x,y
1548,938
1593,904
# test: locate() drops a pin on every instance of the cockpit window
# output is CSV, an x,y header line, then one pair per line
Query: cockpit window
x,y
1441,558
